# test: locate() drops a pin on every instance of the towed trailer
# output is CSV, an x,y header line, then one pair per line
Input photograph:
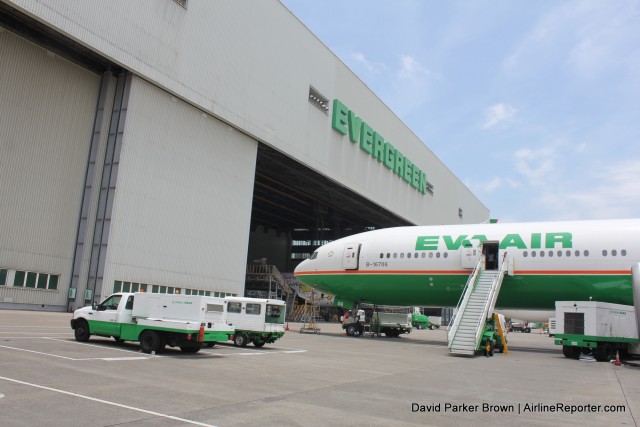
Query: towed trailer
x,y
598,328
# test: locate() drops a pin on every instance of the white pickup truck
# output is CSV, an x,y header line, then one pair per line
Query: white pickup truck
x,y
155,320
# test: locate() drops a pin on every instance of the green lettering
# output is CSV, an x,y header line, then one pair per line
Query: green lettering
x,y
512,240
565,239
408,170
366,138
415,179
398,168
423,183
378,146
427,243
536,238
389,155
339,117
454,246
355,126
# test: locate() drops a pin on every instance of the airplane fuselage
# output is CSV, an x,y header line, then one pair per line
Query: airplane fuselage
x,y
430,265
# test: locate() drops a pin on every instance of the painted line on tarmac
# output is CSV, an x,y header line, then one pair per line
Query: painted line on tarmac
x,y
133,408
110,359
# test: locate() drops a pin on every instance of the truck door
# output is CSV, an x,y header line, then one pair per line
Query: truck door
x,y
351,256
105,317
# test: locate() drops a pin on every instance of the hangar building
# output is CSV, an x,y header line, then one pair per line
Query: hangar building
x,y
163,145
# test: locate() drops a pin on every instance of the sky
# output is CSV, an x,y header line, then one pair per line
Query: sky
x,y
534,105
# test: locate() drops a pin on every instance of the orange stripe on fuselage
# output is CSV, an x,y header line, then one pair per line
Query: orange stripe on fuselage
x,y
467,272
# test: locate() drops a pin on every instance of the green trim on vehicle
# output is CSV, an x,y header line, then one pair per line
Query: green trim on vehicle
x,y
131,332
590,341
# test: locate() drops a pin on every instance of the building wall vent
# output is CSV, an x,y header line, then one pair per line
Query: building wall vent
x,y
319,101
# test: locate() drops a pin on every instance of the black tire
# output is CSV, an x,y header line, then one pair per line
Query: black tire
x,y
191,349
259,343
151,341
82,332
571,352
211,344
392,333
419,326
432,327
604,352
527,330
240,340
352,330
119,340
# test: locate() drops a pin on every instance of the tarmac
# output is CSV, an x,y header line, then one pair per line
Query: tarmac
x,y
303,379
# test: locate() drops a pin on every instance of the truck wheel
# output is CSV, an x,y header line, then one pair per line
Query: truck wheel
x,y
240,340
191,349
82,332
527,330
259,343
392,333
432,327
571,352
603,352
352,330
419,326
151,341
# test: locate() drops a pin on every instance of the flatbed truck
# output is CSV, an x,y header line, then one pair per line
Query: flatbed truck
x,y
155,321
390,324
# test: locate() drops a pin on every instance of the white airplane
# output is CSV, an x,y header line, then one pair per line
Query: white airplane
x,y
429,265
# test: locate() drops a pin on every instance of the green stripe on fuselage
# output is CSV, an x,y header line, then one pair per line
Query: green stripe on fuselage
x,y
534,292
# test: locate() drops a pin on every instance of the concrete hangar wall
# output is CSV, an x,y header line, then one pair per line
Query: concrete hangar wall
x,y
130,131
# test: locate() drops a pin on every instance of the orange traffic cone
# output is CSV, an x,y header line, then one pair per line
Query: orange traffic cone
x,y
617,361
286,327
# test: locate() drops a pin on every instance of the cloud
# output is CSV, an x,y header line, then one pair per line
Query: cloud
x,y
411,69
371,67
535,165
498,114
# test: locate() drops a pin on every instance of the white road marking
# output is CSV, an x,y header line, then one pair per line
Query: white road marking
x,y
74,359
157,414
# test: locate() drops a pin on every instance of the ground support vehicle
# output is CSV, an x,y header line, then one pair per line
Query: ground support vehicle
x,y
591,327
422,321
255,320
521,327
390,324
155,320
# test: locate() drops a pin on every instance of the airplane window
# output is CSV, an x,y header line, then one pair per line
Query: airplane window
x,y
395,255
430,254
381,255
437,254
533,254
388,255
577,253
415,255
586,253
314,255
401,254
525,254
409,255
614,253
568,253
559,253
623,252
446,254
550,253
604,252
424,255
541,253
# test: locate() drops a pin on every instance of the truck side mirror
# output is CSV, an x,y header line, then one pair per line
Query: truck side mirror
x,y
94,306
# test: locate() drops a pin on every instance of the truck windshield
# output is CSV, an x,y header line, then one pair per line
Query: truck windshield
x,y
275,314
110,303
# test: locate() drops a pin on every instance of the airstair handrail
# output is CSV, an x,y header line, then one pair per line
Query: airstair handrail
x,y
491,300
462,302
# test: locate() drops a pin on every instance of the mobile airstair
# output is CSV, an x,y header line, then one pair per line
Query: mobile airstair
x,y
475,308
